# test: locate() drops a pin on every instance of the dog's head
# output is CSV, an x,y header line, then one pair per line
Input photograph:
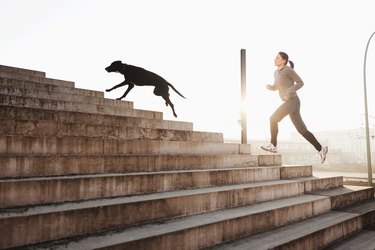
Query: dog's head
x,y
114,67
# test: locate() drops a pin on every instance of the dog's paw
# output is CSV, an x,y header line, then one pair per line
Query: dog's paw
x,y
119,98
107,90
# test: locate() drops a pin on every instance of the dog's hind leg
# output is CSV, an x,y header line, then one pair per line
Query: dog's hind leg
x,y
163,92
168,102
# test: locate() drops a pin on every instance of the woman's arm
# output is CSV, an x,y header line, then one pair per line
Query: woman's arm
x,y
271,87
298,81
298,84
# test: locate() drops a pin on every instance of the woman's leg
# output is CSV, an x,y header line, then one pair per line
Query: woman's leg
x,y
274,131
311,138
283,110
302,129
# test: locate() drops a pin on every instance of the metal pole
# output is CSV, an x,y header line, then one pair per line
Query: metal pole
x,y
243,98
369,168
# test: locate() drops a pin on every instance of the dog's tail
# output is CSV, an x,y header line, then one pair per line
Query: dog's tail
x,y
176,90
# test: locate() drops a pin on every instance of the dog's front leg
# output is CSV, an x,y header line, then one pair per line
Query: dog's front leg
x,y
131,85
117,86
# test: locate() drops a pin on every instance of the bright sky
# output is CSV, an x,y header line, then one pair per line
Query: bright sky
x,y
195,45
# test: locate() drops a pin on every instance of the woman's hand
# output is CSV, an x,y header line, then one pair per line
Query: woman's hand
x,y
287,94
270,87
286,97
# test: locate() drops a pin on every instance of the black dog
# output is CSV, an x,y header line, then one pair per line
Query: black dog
x,y
141,77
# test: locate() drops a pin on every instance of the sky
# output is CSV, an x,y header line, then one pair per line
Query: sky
x,y
195,45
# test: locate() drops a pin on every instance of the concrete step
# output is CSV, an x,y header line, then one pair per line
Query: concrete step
x,y
123,212
46,190
57,93
37,114
26,145
124,132
347,195
363,240
268,159
367,211
204,230
72,95
295,171
292,171
315,233
58,165
29,102
37,79
21,71
314,183
14,87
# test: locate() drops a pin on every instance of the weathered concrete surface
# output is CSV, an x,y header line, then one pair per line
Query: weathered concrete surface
x,y
320,231
29,102
15,86
36,79
295,171
122,212
22,192
56,165
363,240
57,93
20,71
76,145
124,132
315,184
314,233
347,195
37,114
367,211
204,230
269,160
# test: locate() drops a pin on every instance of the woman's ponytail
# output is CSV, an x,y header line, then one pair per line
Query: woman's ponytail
x,y
291,64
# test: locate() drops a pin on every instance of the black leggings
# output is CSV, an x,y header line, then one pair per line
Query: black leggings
x,y
291,107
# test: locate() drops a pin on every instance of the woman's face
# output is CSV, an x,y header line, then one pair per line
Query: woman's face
x,y
279,61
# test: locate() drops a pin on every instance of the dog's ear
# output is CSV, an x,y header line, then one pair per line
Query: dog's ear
x,y
116,62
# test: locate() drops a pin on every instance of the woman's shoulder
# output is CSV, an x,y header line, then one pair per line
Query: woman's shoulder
x,y
288,68
285,68
284,71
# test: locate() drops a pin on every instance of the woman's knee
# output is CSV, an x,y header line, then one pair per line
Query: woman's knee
x,y
274,119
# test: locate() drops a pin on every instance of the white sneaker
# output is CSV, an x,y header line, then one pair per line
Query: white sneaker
x,y
270,148
323,154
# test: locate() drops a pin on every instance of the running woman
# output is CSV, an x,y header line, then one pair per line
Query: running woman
x,y
287,82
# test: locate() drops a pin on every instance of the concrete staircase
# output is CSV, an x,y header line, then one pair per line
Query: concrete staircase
x,y
78,171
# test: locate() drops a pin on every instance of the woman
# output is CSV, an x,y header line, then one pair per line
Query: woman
x,y
287,82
